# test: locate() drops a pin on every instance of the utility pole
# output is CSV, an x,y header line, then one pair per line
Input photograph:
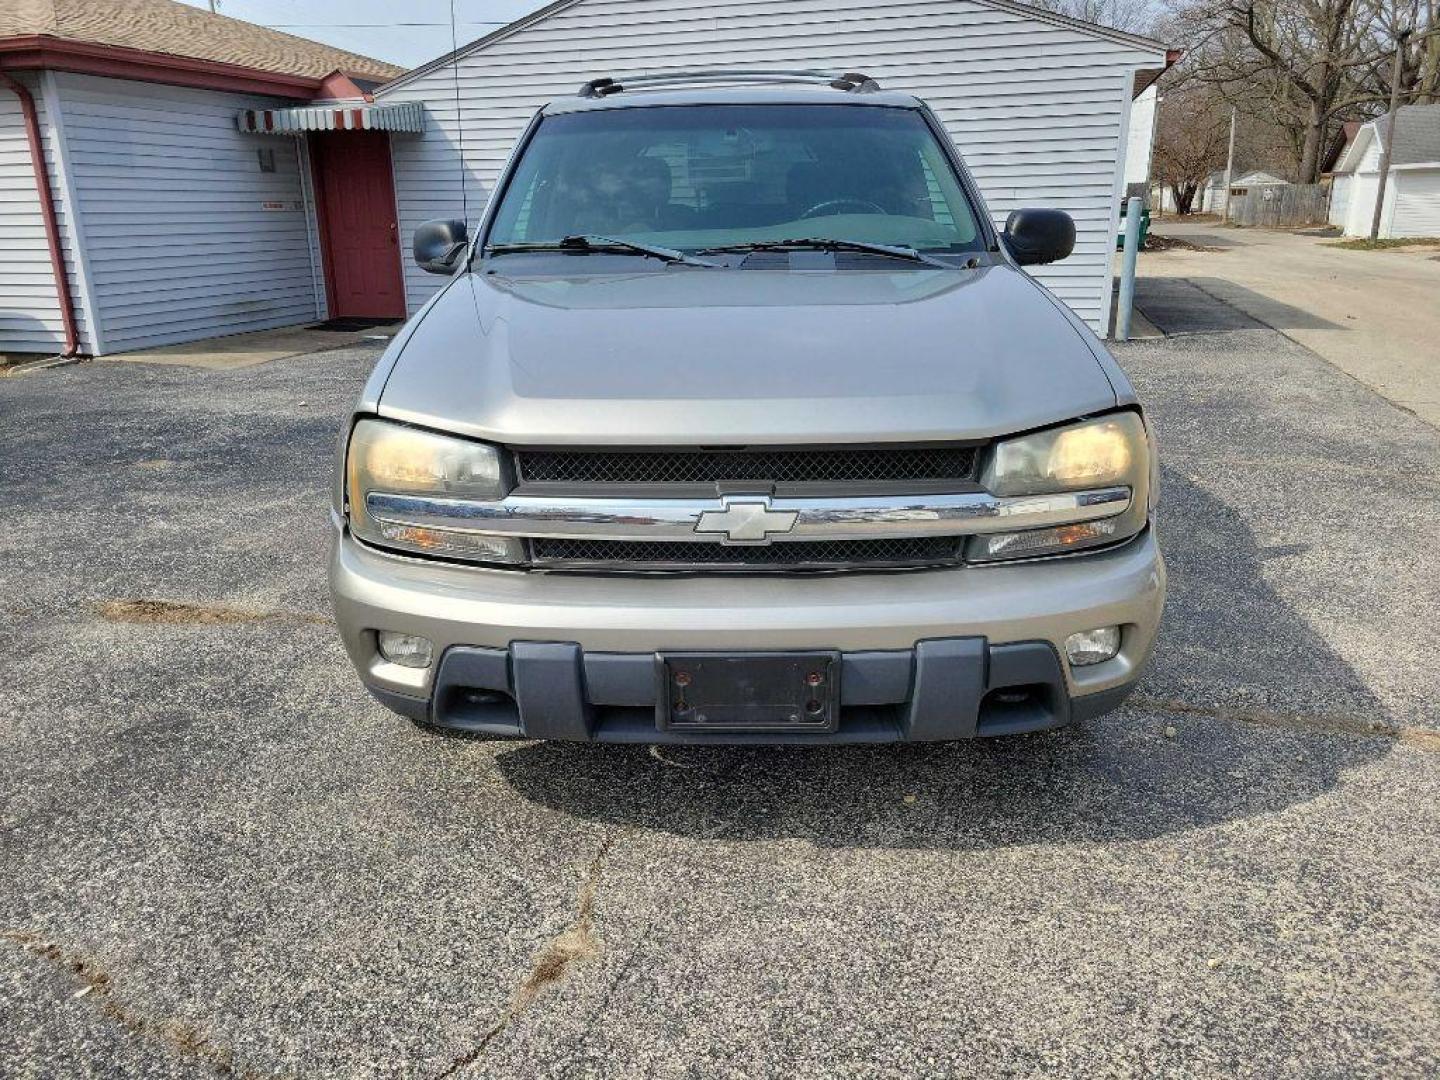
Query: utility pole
x,y
1389,133
1229,166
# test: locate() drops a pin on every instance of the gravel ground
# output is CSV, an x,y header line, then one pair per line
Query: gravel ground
x,y
221,857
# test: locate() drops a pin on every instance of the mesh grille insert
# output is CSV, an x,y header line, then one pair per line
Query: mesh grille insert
x,y
912,551
859,465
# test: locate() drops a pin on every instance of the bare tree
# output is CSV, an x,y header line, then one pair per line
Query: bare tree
x,y
1134,16
1309,64
1191,131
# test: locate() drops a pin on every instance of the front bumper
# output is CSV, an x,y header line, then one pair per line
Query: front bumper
x,y
934,654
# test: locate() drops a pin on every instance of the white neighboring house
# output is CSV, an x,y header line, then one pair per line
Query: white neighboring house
x,y
1412,190
135,211
1038,103
1162,198
1213,196
1140,139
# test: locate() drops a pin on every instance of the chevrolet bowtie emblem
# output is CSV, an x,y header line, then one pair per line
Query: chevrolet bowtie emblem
x,y
749,521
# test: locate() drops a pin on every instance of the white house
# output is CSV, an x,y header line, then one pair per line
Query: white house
x,y
1412,189
1140,138
1038,103
135,211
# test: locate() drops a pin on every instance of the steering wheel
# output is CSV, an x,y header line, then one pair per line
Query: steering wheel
x,y
833,205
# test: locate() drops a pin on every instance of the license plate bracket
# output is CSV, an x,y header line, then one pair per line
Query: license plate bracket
x,y
780,691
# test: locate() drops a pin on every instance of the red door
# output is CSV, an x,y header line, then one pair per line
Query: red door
x,y
355,194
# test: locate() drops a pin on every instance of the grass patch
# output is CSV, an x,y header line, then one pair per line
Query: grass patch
x,y
1366,244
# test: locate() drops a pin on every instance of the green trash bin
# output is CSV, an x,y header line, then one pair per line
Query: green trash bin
x,y
1144,227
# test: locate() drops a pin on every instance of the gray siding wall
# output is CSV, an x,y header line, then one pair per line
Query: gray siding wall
x,y
1039,110
170,206
29,306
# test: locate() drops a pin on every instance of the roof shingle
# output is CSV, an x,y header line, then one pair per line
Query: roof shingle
x,y
175,29
1417,134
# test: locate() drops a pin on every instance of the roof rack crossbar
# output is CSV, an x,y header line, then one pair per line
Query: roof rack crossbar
x,y
850,82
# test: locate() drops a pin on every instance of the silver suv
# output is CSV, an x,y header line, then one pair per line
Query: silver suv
x,y
739,422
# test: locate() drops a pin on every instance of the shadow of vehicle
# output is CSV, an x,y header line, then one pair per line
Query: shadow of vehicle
x,y
1120,778
1205,305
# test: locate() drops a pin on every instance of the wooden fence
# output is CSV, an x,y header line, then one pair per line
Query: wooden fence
x,y
1279,205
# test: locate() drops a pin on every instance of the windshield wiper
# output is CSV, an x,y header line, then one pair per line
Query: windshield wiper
x,y
821,243
589,243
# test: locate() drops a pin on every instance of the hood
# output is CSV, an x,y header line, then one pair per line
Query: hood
x,y
737,357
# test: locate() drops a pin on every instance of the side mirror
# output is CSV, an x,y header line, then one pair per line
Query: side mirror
x,y
1039,236
439,244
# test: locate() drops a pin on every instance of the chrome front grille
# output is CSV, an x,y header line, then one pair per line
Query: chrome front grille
x,y
794,555
600,529
841,466
885,506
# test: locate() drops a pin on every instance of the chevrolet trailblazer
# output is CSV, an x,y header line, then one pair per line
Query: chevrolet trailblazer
x,y
738,421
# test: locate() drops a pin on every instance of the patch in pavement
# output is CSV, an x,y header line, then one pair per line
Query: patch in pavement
x,y
1179,306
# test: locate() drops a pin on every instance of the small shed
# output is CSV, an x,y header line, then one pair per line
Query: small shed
x,y
1038,103
136,210
1412,189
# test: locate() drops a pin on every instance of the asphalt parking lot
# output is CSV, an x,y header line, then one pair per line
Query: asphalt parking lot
x,y
219,856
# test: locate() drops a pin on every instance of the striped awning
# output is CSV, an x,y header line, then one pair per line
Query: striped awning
x,y
406,116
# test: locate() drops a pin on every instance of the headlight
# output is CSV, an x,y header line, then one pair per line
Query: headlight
x,y
1093,454
1112,451
391,459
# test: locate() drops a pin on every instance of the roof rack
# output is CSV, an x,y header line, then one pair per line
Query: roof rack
x,y
850,82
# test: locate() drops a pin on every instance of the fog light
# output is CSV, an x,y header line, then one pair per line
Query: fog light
x,y
407,650
1092,646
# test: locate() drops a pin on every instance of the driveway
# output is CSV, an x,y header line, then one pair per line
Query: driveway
x,y
1373,314
220,857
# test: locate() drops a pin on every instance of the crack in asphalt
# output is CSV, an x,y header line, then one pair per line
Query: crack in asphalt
x,y
576,944
98,990
659,756
1307,723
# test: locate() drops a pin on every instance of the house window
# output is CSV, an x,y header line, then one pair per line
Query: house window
x,y
266,154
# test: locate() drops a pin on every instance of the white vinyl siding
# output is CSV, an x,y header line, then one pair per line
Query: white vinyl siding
x,y
1141,138
29,304
1359,214
1038,109
1340,188
1212,195
179,241
1416,208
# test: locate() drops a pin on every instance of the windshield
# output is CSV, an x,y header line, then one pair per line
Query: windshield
x,y
695,177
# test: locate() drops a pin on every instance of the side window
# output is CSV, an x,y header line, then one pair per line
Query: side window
x,y
939,208
946,197
519,211
522,218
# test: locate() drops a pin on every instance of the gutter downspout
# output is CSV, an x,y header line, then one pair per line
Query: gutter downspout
x,y
47,211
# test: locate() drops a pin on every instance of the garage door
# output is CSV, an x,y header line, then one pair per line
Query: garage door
x,y
1417,202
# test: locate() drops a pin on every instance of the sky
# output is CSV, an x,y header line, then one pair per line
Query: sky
x,y
407,33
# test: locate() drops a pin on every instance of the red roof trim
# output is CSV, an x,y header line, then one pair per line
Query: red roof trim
x,y
42,51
